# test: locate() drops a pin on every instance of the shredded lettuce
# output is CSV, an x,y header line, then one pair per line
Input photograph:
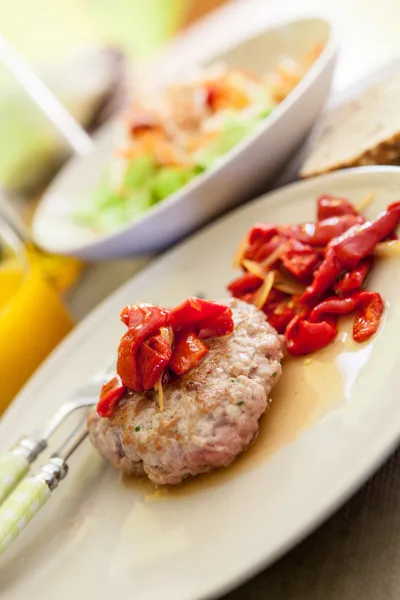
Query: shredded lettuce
x,y
108,209
145,183
170,179
139,172
233,130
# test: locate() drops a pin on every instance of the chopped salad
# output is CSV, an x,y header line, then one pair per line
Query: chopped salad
x,y
185,131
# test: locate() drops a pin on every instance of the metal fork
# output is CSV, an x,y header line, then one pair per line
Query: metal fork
x,y
33,492
15,463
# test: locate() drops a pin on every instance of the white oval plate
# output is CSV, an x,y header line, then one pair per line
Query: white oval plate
x,y
238,174
100,538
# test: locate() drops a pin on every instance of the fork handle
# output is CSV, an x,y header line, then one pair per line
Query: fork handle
x,y
20,507
13,467
27,498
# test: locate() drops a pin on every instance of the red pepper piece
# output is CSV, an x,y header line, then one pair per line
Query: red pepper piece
x,y
332,227
322,232
146,321
187,353
262,232
303,232
244,284
280,309
368,316
334,306
280,318
324,278
303,337
358,244
249,298
299,259
144,314
111,393
193,311
352,281
216,327
126,363
152,358
131,315
260,250
331,206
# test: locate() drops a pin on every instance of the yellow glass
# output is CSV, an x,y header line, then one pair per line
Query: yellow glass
x,y
32,317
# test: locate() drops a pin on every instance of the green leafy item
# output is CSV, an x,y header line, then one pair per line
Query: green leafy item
x,y
169,180
235,128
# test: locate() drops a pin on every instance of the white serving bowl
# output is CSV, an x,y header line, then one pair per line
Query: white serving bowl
x,y
238,174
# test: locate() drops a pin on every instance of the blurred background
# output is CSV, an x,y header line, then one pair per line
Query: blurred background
x,y
85,51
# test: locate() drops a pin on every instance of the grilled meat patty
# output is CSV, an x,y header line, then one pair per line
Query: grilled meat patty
x,y
210,415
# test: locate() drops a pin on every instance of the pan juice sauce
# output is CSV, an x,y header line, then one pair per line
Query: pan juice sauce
x,y
310,387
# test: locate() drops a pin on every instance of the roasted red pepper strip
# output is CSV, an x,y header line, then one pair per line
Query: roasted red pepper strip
x,y
279,309
331,206
187,353
152,358
263,240
144,321
144,315
322,232
126,363
111,393
249,298
260,250
352,281
299,259
324,278
334,306
303,337
193,311
332,227
244,284
262,232
216,327
279,318
368,316
360,243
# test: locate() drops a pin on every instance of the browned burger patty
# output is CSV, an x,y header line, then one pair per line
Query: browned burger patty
x,y
210,415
